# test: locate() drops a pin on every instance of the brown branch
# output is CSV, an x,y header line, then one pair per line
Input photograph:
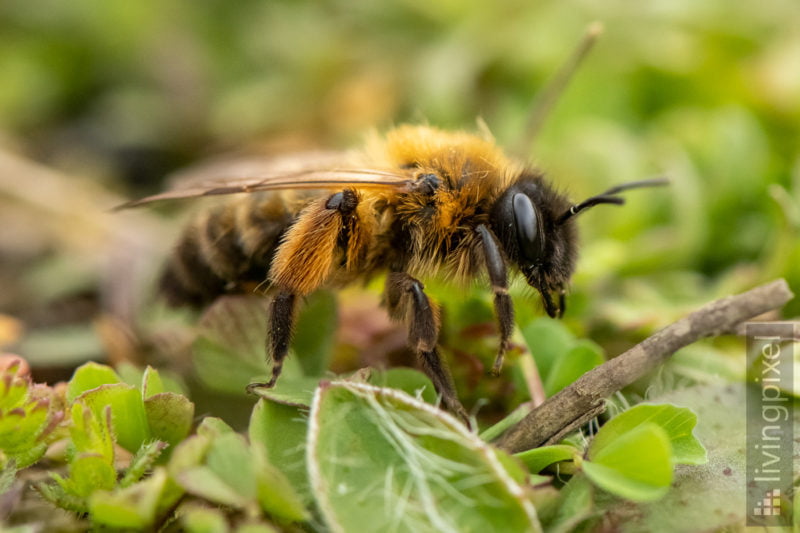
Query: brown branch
x,y
568,409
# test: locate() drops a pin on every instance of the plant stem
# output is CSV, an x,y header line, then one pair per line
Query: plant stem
x,y
585,398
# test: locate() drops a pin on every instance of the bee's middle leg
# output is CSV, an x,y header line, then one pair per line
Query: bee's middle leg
x,y
504,309
406,300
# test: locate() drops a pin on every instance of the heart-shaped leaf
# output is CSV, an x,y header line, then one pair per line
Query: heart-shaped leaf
x,y
636,465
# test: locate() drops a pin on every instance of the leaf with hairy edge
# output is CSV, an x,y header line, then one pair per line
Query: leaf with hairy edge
x,y
151,382
197,518
381,457
127,412
408,380
169,416
142,462
295,392
133,507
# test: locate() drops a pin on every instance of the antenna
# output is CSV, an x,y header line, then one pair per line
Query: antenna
x,y
609,197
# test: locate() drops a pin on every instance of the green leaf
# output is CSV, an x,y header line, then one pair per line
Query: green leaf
x,y
296,391
538,459
636,465
129,373
677,422
517,471
151,383
576,505
723,505
188,454
205,483
408,380
548,341
169,416
142,462
27,418
230,459
8,473
91,432
129,420
133,507
88,473
219,370
276,494
213,427
13,387
90,376
280,430
315,332
31,455
229,349
58,495
196,518
582,357
165,381
381,457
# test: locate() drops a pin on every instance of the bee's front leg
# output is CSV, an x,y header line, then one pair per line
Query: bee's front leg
x,y
407,301
303,263
503,307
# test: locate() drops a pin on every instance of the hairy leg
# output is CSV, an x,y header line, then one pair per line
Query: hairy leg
x,y
407,301
503,307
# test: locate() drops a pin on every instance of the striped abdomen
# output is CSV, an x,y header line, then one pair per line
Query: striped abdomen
x,y
226,250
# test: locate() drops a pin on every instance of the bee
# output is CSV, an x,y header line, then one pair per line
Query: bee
x,y
417,203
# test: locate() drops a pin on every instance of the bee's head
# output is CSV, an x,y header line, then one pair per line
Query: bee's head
x,y
536,228
525,218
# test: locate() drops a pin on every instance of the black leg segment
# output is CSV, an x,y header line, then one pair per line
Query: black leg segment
x,y
503,307
406,300
280,325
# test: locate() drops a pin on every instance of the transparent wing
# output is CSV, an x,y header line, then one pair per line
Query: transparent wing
x,y
313,170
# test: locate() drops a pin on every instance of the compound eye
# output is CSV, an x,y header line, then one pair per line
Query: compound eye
x,y
527,226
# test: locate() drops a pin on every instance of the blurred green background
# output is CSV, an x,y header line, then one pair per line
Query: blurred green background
x,y
116,94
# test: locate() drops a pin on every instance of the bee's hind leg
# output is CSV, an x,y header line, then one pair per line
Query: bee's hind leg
x,y
282,313
407,301
503,307
301,265
281,323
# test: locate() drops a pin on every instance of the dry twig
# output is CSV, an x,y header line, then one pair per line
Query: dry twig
x,y
585,399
